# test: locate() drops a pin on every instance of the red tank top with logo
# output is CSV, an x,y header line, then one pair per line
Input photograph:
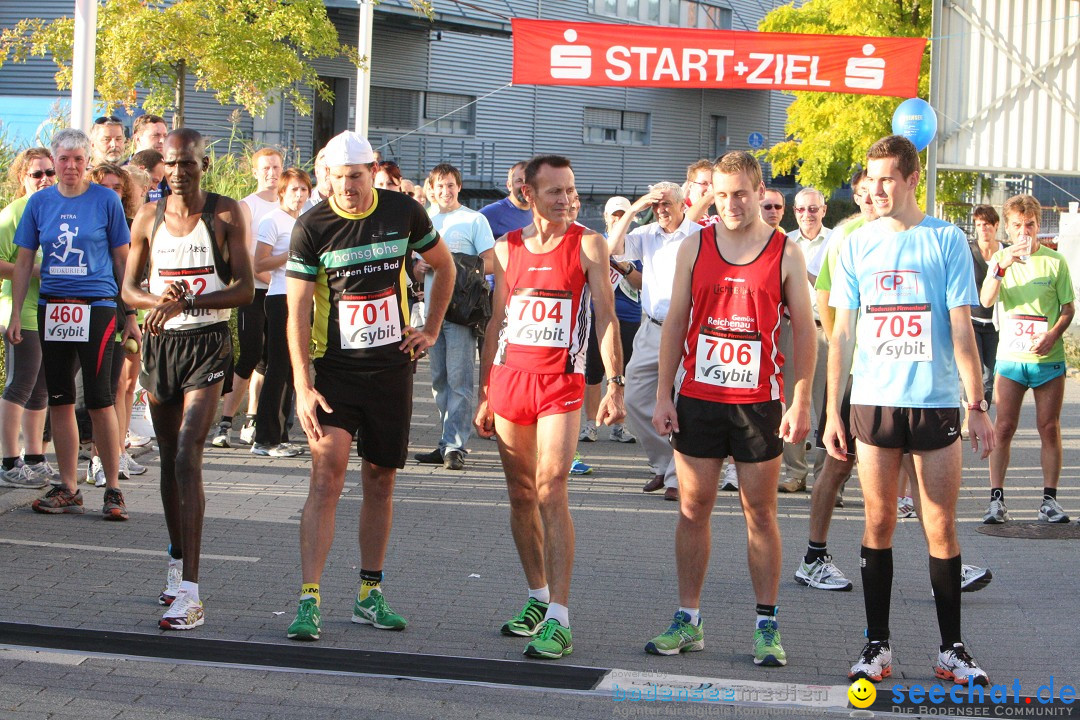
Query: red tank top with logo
x,y
546,328
731,354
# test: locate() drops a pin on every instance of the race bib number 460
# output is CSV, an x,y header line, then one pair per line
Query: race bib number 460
x,y
369,320
728,359
897,332
67,322
539,318
1021,331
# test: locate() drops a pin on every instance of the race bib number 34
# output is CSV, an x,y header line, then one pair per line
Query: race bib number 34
x,y
67,322
369,320
897,332
728,359
539,318
1021,331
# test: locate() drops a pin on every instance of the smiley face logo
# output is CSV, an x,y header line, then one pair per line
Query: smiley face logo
x,y
862,693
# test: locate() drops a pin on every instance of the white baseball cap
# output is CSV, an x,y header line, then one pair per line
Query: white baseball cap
x,y
616,204
348,148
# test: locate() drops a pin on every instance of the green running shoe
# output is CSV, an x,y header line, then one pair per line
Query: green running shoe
x,y
375,611
306,624
682,636
552,642
767,648
528,621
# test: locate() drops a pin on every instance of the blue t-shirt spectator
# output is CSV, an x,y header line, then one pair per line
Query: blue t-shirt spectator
x,y
76,236
504,216
627,299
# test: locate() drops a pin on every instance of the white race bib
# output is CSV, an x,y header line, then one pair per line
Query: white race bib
x,y
728,359
1021,331
369,320
539,318
67,322
897,332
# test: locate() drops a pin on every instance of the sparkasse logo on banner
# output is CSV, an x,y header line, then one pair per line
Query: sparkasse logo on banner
x,y
549,52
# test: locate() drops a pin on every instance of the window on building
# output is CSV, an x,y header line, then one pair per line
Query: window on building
x,y
460,112
615,127
394,108
711,14
719,135
398,109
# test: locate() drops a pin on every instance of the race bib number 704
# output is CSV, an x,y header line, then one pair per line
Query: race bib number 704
x,y
539,318
897,332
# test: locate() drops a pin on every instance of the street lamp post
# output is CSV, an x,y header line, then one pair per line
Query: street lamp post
x,y
82,64
363,74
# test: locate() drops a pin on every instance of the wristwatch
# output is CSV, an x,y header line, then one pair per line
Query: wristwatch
x,y
981,406
189,301
618,380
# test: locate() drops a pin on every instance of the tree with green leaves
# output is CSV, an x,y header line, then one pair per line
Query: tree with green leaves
x,y
829,133
248,52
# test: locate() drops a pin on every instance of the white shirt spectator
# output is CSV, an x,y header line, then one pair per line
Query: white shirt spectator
x,y
657,250
464,231
275,230
813,255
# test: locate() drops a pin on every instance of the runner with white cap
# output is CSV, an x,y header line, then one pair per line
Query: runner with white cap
x,y
347,258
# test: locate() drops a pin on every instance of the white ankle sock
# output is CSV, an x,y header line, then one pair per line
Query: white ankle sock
x,y
192,589
560,613
694,613
541,594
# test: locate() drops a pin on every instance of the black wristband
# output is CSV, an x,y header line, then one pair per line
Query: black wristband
x,y
129,313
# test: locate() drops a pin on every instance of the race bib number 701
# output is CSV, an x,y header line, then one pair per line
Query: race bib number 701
x,y
368,320
897,332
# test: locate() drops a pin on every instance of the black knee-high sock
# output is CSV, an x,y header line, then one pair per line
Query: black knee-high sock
x,y
945,580
877,574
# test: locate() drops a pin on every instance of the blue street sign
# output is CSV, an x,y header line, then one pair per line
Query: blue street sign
x,y
756,140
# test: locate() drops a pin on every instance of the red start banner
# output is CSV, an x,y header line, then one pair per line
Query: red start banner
x,y
550,52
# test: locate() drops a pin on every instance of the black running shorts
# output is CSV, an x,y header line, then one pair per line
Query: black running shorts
x,y
907,429
378,403
717,430
179,361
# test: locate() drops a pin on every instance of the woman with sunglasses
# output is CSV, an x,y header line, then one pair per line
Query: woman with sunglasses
x,y
23,404
83,236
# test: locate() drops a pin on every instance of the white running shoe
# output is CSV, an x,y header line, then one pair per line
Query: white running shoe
x,y
135,440
730,479
95,473
996,513
875,663
974,578
822,574
283,450
221,435
905,508
185,613
21,476
957,665
619,433
247,433
128,463
588,433
1050,511
172,581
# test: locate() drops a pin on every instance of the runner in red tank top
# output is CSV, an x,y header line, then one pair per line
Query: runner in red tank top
x,y
732,281
532,385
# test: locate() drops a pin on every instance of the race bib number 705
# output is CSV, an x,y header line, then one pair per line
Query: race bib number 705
x,y
897,332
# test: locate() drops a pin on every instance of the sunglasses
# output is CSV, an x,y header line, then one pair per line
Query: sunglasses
x,y
813,209
107,119
772,207
38,174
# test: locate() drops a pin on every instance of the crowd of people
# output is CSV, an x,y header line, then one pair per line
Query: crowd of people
x,y
693,325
